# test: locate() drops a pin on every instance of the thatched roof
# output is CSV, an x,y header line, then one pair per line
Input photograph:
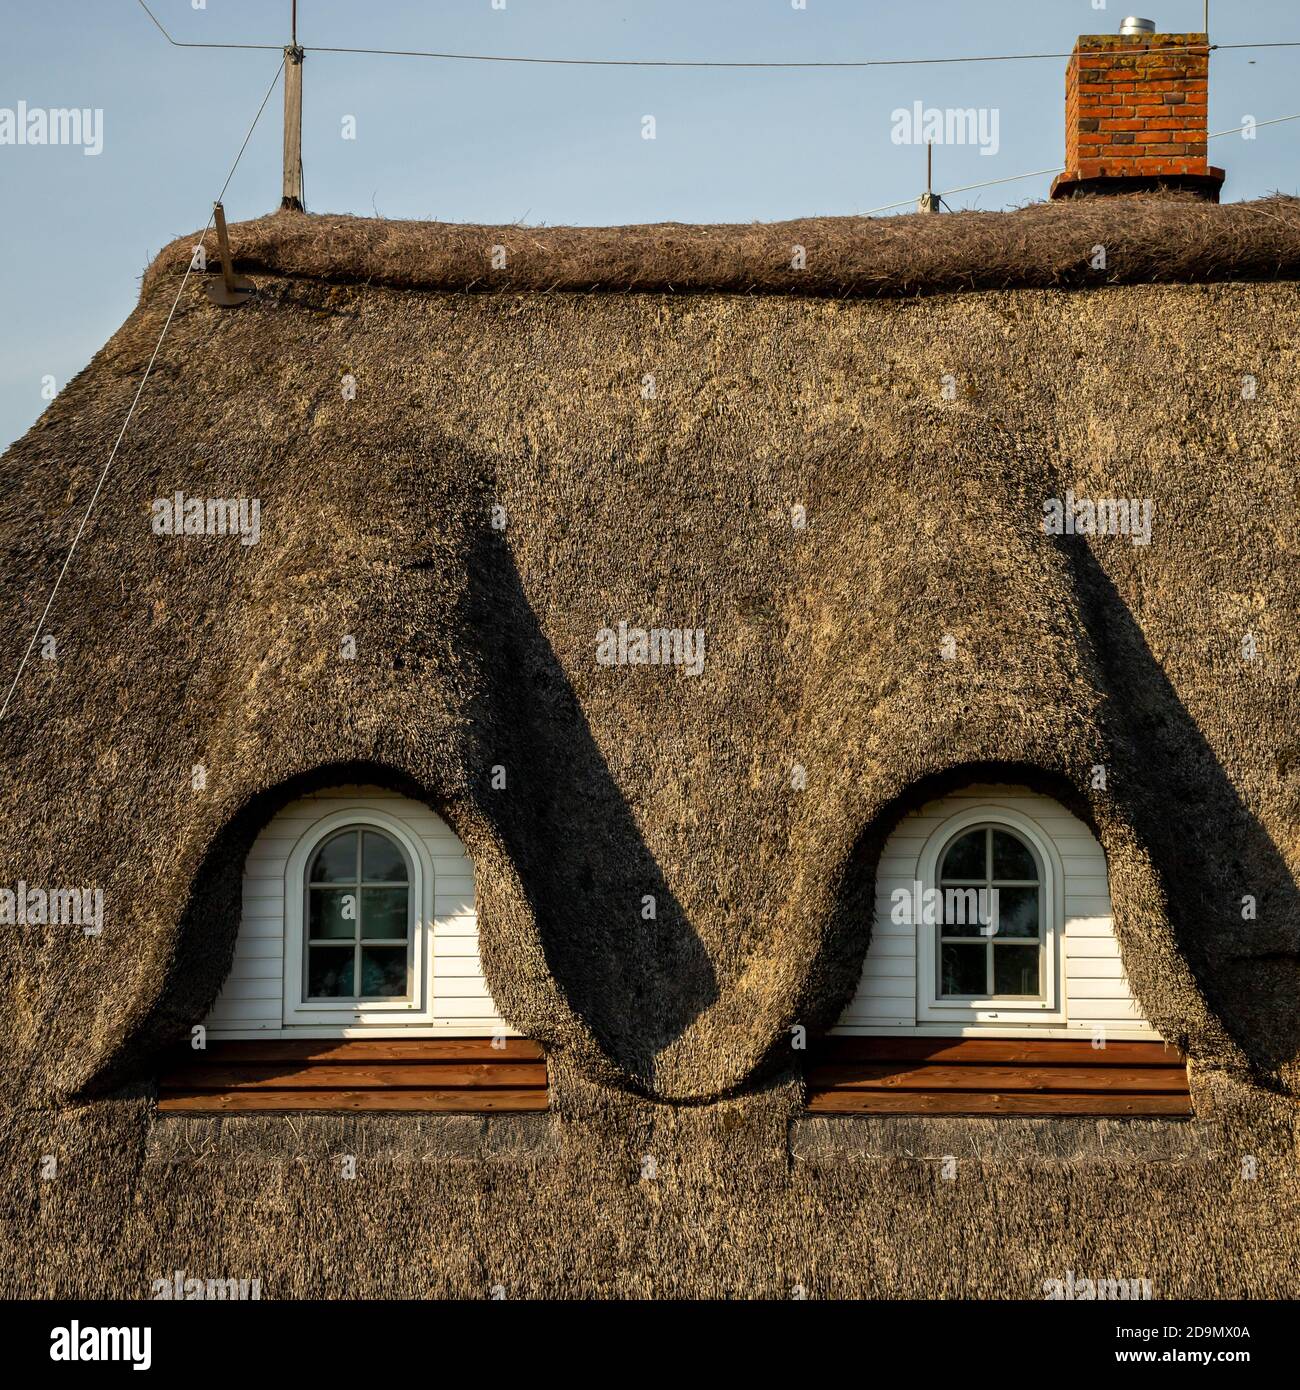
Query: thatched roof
x,y
475,647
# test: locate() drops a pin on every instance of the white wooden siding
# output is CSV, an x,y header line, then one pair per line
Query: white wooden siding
x,y
1097,992
251,1002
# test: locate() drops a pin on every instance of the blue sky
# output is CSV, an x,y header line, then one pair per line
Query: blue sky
x,y
481,142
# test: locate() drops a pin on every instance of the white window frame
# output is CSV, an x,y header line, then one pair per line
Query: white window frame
x,y
416,1009
930,1006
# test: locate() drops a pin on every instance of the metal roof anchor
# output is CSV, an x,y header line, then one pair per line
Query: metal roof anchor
x,y
231,290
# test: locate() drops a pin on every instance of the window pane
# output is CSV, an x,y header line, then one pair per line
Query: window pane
x,y
383,913
1015,969
963,969
331,913
336,861
329,972
383,971
965,857
1017,912
1012,858
381,860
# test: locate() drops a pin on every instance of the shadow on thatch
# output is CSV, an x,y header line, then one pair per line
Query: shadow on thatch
x,y
1209,848
579,855
541,793
1183,851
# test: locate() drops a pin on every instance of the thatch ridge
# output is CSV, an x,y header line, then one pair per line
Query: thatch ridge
x,y
1147,239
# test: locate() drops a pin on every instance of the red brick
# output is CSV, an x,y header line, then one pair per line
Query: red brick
x,y
1136,106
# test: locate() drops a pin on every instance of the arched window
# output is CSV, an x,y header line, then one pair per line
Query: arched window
x,y
358,918
990,918
358,915
991,934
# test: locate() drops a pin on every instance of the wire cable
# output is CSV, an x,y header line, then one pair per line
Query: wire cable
x,y
965,188
22,665
689,62
720,63
180,43
1041,173
1277,120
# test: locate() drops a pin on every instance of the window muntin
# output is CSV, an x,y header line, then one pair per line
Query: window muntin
x,y
357,943
999,951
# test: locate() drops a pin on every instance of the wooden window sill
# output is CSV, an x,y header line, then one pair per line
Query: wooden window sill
x,y
442,1075
988,1076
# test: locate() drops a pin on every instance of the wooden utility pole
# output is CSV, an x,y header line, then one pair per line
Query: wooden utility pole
x,y
293,56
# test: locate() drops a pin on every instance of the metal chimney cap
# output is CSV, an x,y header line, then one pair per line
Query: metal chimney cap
x,y
1134,25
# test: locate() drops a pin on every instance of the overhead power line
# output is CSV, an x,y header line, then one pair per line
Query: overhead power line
x,y
1042,173
181,43
719,63
701,62
1254,125
965,188
681,62
135,401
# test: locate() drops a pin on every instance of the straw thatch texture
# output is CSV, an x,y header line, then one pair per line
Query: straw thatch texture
x,y
1150,238
475,651
629,1200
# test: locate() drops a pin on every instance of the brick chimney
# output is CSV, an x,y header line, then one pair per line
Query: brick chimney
x,y
1135,114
